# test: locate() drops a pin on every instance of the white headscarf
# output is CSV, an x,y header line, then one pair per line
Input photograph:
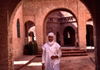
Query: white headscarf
x,y
51,43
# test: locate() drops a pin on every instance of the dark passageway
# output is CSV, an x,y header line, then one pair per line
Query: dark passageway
x,y
69,36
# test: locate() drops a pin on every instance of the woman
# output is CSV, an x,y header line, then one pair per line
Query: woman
x,y
51,54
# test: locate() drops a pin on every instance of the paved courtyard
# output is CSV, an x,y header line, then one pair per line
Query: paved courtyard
x,y
67,63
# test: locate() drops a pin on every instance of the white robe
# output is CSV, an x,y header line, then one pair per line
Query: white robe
x,y
48,51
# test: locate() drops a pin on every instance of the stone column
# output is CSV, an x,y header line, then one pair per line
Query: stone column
x,y
97,35
81,27
97,45
6,62
3,42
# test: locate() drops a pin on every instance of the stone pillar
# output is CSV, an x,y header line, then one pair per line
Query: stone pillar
x,y
97,45
4,62
97,42
39,30
3,43
97,35
81,27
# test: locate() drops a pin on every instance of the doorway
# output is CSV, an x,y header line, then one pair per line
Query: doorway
x,y
69,36
89,35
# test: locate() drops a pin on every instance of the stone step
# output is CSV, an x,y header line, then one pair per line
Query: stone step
x,y
66,52
74,53
70,52
78,54
75,49
66,55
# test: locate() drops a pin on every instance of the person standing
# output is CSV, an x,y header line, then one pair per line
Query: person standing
x,y
51,54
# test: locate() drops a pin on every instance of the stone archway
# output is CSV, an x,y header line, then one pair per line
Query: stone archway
x,y
89,35
29,28
56,21
69,36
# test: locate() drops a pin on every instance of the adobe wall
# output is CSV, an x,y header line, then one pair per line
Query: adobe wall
x,y
54,27
18,42
83,16
41,9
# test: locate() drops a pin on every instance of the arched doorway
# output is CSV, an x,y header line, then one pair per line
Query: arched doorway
x,y
30,33
57,20
69,36
89,35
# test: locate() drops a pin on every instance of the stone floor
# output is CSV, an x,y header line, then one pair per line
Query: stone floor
x,y
67,63
91,54
77,63
22,61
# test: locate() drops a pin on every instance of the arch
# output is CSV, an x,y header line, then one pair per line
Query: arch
x,y
14,11
30,29
69,36
86,3
28,25
89,19
89,22
29,20
75,28
59,9
89,35
49,13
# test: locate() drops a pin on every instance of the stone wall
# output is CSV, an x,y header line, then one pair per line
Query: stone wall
x,y
41,10
3,36
18,42
83,16
52,27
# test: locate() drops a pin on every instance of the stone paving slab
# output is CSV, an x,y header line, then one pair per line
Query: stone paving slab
x,y
91,54
93,59
22,61
67,63
77,63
